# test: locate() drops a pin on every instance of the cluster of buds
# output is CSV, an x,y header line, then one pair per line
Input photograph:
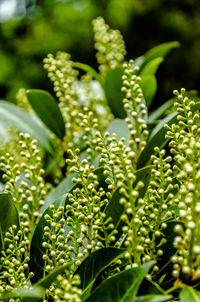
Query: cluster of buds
x,y
89,124
56,251
159,203
187,120
109,44
14,260
25,181
63,75
187,259
135,107
84,210
68,289
184,145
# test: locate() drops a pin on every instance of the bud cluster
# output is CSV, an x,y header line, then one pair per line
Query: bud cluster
x,y
159,203
187,259
84,210
135,107
25,181
109,44
63,75
67,289
14,260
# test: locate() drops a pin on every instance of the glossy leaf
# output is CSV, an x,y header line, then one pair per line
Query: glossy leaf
x,y
121,287
114,95
64,187
189,294
47,109
153,298
94,264
33,294
23,121
160,111
8,215
50,278
149,287
148,85
151,67
119,127
160,51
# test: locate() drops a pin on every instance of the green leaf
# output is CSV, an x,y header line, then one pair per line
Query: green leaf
x,y
23,121
189,294
47,110
160,111
65,186
121,287
151,67
50,278
149,287
119,127
160,51
90,70
153,298
37,250
148,85
33,294
94,264
114,95
8,215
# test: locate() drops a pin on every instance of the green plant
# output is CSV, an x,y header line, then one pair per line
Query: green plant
x,y
123,223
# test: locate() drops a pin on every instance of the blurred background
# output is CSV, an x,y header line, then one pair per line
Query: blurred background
x,y
30,29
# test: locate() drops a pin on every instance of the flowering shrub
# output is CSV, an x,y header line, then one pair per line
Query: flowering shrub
x,y
100,199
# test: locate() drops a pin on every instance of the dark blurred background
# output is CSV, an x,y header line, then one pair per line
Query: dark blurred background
x,y
30,29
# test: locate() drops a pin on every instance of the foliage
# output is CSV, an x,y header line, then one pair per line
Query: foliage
x,y
99,208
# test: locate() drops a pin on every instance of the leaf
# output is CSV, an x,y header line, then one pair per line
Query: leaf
x,y
47,110
114,95
153,298
50,278
151,67
148,85
160,111
149,287
8,215
24,122
64,187
94,264
119,127
37,250
90,70
121,287
25,294
189,294
160,51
